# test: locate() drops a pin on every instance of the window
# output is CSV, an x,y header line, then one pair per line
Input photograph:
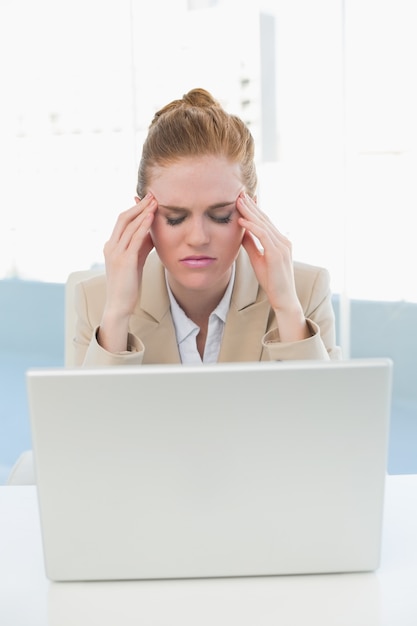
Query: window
x,y
338,173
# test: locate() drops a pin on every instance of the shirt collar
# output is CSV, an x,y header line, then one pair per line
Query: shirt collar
x,y
183,325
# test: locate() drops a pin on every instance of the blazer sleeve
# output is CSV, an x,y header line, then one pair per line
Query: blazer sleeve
x,y
313,287
89,303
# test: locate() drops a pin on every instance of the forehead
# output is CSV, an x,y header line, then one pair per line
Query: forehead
x,y
210,176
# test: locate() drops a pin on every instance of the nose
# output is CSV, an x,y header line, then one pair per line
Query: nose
x,y
198,231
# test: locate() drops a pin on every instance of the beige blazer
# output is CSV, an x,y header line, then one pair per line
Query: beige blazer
x,y
250,332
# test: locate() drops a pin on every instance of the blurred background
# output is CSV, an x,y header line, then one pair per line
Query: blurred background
x,y
329,91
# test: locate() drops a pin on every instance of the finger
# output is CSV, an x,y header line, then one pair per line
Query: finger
x,y
135,234
134,220
127,217
272,248
248,208
251,213
251,246
133,255
146,245
260,231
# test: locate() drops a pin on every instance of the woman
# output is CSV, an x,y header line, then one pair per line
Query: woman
x,y
195,271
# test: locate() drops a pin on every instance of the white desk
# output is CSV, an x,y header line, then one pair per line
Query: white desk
x,y
387,597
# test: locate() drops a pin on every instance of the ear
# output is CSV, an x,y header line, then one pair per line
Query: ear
x,y
137,200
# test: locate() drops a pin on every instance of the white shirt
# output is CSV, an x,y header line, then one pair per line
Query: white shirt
x,y
186,331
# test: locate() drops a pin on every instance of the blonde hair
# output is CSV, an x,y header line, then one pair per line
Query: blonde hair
x,y
197,125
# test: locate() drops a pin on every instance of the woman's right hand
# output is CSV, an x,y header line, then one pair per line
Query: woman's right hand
x,y
125,254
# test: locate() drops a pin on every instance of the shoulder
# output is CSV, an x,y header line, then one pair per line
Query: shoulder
x,y
90,291
93,284
89,295
312,283
304,272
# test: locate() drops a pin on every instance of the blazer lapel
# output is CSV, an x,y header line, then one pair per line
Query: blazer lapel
x,y
247,320
248,317
153,314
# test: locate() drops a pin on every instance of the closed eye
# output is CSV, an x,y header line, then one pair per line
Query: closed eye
x,y
222,220
173,221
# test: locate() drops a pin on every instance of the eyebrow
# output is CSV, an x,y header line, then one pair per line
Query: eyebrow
x,y
212,207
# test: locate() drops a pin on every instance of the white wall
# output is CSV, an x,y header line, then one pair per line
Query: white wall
x,y
81,80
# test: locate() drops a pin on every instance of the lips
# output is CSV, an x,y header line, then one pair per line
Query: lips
x,y
197,261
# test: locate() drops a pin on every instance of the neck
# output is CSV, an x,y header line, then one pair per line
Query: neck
x,y
198,305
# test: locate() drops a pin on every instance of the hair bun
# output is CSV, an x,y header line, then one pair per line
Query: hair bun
x,y
199,98
193,126
196,98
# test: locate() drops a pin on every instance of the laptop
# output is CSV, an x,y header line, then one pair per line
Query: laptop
x,y
243,469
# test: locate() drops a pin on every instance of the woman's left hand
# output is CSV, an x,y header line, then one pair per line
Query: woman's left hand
x,y
273,266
